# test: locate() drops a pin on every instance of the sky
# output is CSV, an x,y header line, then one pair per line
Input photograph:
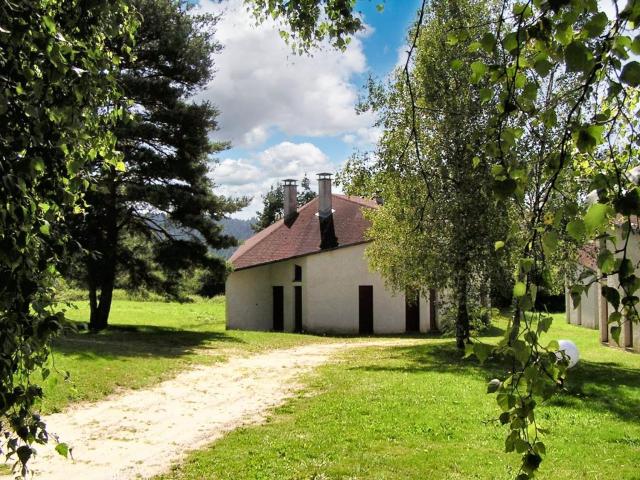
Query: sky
x,y
287,115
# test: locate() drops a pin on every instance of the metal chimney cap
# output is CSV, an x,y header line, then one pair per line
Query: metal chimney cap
x,y
289,181
324,176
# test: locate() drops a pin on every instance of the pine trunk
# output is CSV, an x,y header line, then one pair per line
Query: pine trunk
x,y
103,270
99,318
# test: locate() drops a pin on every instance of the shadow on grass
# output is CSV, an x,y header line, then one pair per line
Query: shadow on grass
x,y
490,331
606,387
439,357
598,386
140,341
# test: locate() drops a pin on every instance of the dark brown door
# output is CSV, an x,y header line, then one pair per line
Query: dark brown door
x,y
433,321
278,309
604,324
297,298
366,309
628,337
412,310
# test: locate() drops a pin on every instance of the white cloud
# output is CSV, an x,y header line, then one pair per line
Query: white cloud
x,y
261,87
236,172
255,136
363,137
402,55
253,176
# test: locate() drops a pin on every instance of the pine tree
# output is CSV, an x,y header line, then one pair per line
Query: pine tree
x,y
155,214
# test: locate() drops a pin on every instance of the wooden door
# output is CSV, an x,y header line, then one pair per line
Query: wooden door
x,y
297,298
365,297
412,311
278,309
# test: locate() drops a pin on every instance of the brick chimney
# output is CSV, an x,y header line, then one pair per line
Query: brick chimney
x,y
290,199
324,195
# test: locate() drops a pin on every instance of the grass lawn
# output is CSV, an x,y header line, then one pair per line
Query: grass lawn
x,y
148,342
421,412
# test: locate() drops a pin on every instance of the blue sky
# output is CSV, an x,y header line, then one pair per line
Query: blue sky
x,y
287,115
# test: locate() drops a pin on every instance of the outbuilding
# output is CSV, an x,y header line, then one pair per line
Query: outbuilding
x,y
308,272
593,310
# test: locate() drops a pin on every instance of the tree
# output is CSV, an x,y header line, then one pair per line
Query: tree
x,y
593,146
273,203
310,22
154,215
595,143
58,62
436,229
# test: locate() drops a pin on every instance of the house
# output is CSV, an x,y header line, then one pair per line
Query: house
x,y
308,272
593,310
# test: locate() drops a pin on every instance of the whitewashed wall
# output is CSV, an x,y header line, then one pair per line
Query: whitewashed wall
x,y
593,310
330,303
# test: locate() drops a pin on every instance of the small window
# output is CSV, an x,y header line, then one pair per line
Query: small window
x,y
297,274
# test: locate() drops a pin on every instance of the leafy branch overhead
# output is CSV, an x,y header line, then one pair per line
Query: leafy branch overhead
x,y
585,190
59,63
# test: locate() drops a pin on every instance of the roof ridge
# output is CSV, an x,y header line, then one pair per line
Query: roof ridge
x,y
302,234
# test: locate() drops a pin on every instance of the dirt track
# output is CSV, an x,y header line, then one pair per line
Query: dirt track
x,y
142,433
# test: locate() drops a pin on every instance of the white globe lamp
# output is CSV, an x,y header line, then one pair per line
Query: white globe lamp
x,y
570,350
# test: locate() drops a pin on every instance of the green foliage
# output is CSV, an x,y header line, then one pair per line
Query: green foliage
x,y
211,282
273,203
560,70
357,176
58,62
154,216
433,230
273,208
306,23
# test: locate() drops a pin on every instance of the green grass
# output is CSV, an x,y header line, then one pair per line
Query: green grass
x,y
148,341
421,412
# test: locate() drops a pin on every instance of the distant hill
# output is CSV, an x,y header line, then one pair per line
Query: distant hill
x,y
240,229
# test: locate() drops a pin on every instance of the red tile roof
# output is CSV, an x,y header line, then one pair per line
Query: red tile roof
x,y
302,236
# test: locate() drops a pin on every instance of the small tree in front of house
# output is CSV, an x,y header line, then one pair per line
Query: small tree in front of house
x,y
437,228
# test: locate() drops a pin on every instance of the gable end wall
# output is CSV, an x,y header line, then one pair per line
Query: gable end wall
x,y
330,282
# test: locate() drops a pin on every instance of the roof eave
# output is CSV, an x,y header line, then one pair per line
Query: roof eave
x,y
301,255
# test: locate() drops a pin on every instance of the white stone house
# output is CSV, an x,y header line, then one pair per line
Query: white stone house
x,y
307,272
593,310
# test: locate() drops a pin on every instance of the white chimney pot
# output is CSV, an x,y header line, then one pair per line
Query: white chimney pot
x,y
324,195
290,189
